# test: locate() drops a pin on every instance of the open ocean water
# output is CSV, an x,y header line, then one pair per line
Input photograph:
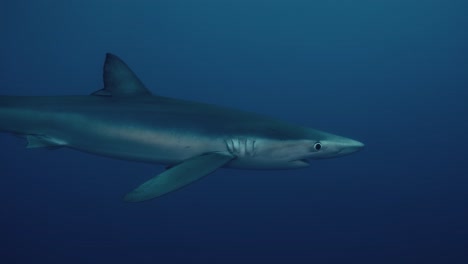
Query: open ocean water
x,y
390,73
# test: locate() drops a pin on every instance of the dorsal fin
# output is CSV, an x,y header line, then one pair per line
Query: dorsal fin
x,y
120,80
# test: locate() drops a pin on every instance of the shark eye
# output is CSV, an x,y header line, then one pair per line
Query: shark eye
x,y
317,146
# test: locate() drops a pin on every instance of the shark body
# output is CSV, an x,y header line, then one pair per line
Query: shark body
x,y
124,120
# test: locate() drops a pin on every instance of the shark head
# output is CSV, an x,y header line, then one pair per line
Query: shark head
x,y
321,145
328,145
264,153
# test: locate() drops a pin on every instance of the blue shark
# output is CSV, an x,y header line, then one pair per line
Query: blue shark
x,y
125,120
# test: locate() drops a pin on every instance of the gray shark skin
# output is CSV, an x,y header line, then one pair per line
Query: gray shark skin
x,y
124,120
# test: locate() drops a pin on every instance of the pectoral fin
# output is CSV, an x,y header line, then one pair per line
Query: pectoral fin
x,y
178,176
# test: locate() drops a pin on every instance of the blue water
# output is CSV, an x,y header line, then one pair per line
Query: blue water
x,y
393,74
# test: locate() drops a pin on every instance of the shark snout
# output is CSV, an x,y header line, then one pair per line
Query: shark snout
x,y
336,146
349,146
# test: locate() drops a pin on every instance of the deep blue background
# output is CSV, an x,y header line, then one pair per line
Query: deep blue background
x,y
391,73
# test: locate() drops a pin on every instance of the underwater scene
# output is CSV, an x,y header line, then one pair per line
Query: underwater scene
x,y
234,131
